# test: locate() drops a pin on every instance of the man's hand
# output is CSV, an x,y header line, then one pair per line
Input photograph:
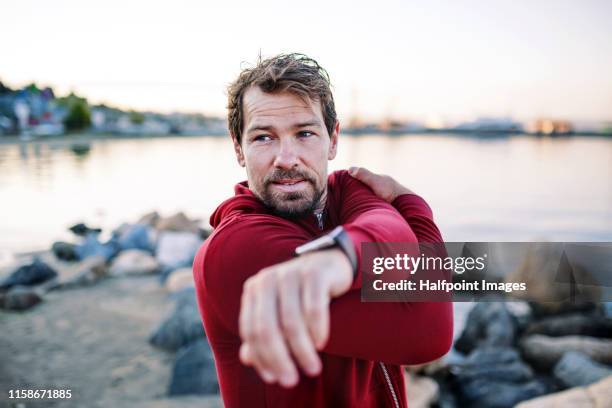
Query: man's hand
x,y
284,314
383,186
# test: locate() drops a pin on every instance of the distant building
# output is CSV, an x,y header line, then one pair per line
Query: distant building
x,y
550,127
508,125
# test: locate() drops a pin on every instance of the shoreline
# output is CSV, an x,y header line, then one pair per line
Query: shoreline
x,y
87,137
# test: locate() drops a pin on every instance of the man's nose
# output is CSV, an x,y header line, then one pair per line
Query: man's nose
x,y
287,156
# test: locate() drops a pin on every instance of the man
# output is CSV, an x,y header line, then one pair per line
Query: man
x,y
291,330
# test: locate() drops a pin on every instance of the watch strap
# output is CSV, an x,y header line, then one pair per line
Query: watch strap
x,y
338,237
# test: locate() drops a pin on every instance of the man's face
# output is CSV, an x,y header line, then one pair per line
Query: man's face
x,y
285,148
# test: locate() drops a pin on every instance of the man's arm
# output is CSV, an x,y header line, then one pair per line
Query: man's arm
x,y
372,336
393,332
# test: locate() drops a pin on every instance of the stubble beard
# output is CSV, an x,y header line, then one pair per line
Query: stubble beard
x,y
291,205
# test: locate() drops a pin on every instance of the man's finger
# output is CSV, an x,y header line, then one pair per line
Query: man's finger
x,y
294,326
246,356
269,348
362,174
315,304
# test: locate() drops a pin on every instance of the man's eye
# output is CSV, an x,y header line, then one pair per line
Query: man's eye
x,y
306,133
261,138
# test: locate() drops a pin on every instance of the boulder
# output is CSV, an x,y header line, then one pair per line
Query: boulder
x,y
64,251
19,298
177,222
176,249
577,369
573,324
547,309
546,271
607,309
91,246
597,395
135,236
194,370
574,398
488,324
149,219
28,275
183,326
179,279
495,364
82,230
499,394
133,262
544,351
495,377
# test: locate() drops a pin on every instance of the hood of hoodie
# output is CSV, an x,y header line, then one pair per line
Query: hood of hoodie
x,y
243,202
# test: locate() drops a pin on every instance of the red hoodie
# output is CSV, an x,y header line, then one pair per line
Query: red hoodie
x,y
368,342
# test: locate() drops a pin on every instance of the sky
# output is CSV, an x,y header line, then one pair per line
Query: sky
x,y
407,60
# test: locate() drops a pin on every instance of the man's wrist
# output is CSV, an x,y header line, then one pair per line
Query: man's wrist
x,y
338,238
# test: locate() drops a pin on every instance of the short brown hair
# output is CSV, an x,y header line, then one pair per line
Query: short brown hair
x,y
295,73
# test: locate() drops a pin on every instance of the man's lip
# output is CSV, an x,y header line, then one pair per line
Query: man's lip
x,y
288,181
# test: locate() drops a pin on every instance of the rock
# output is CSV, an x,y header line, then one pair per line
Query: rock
x,y
547,309
19,298
493,394
92,247
575,398
179,279
488,324
194,370
521,311
544,351
607,309
133,262
64,251
177,222
28,275
183,326
85,273
177,249
422,392
495,364
496,377
597,395
150,219
82,230
573,324
577,369
135,236
541,271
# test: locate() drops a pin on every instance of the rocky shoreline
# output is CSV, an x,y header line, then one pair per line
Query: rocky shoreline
x,y
117,322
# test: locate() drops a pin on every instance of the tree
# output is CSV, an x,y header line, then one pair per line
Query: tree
x,y
79,115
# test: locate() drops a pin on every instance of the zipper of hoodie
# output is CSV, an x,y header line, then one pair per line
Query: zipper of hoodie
x,y
319,217
388,379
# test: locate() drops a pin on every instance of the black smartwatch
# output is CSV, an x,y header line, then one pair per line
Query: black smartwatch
x,y
336,238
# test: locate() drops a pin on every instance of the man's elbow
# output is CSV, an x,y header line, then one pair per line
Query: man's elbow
x,y
437,338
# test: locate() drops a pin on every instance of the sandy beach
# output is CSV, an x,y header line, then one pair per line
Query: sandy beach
x,y
94,341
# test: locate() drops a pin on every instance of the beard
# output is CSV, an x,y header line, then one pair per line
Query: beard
x,y
295,204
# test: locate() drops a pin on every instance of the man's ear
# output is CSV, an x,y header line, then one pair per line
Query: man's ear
x,y
333,142
238,151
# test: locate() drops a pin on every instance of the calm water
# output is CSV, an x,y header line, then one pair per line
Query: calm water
x,y
516,188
